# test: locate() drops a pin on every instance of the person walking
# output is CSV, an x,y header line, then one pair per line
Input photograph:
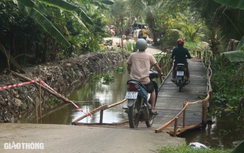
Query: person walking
x,y
138,66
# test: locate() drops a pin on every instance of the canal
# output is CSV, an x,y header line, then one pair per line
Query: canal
x,y
223,133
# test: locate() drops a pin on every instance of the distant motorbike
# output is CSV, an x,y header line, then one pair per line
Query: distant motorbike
x,y
139,104
181,78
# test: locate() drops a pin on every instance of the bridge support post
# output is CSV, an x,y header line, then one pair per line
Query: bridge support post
x,y
204,113
184,116
175,127
101,116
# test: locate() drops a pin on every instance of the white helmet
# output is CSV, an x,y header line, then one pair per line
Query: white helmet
x,y
141,44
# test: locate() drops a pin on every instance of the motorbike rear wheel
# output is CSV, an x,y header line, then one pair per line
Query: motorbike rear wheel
x,y
180,85
149,123
134,113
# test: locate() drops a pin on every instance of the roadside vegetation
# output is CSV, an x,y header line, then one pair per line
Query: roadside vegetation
x,y
184,148
228,82
39,31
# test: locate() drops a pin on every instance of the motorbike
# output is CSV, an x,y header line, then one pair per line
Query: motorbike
x,y
139,104
181,78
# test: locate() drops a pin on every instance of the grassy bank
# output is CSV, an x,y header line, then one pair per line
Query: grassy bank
x,y
184,148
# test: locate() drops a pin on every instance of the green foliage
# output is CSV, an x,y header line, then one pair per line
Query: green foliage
x,y
119,69
131,47
225,22
226,94
96,76
159,56
184,148
40,40
238,148
168,41
52,102
230,3
193,47
238,54
105,78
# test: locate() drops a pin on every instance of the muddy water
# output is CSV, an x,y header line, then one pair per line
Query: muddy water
x,y
92,95
222,133
225,132
97,93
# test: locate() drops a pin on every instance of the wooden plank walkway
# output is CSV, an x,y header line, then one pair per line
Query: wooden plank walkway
x,y
170,100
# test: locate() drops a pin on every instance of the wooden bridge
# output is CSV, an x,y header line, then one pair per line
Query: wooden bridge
x,y
178,111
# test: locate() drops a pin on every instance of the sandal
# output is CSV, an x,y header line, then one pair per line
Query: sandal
x,y
154,113
188,81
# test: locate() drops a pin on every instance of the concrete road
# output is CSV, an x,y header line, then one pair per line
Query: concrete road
x,y
48,138
117,40
53,138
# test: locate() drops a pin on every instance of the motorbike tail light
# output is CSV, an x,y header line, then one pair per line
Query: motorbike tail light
x,y
132,87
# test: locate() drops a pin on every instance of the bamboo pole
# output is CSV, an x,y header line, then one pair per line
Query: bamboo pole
x,y
92,112
43,87
117,103
164,126
40,92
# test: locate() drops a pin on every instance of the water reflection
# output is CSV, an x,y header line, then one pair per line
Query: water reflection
x,y
224,133
95,94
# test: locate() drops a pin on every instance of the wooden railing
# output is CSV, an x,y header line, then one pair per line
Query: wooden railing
x,y
101,109
205,56
164,63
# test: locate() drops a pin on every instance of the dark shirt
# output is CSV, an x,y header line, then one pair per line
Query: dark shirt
x,y
180,54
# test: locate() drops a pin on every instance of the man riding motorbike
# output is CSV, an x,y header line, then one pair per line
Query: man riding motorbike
x,y
180,54
139,64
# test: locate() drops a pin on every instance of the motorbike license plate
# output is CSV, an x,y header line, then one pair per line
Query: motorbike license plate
x,y
131,95
180,73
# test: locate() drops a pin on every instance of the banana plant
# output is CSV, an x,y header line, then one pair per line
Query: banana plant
x,y
239,148
37,10
237,56
231,3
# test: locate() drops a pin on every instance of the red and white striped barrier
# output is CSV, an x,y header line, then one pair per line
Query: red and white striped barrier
x,y
18,84
65,98
41,81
